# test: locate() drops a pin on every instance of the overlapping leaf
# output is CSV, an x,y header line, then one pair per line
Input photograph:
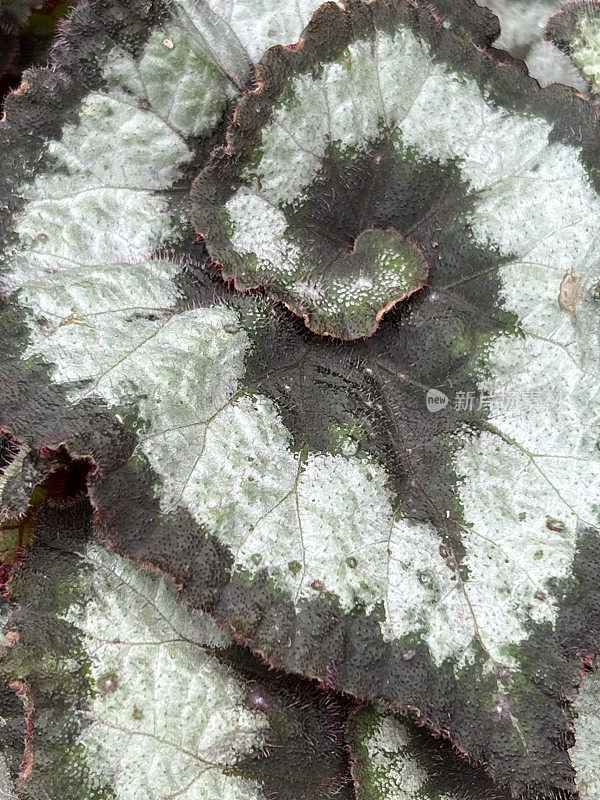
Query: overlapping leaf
x,y
522,24
299,488
587,744
575,30
394,760
341,138
127,695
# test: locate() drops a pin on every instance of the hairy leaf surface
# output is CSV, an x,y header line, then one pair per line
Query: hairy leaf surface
x,y
522,24
27,29
133,697
575,29
410,517
392,759
586,749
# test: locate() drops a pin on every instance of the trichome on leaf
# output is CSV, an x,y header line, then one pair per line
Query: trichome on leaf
x,y
293,489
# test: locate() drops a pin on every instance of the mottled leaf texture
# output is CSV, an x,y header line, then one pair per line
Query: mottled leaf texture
x,y
410,517
586,750
392,759
575,30
522,25
112,690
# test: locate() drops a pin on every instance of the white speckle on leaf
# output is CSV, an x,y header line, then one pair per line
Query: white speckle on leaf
x,y
236,33
584,46
391,771
259,228
422,593
174,79
169,718
382,93
585,754
241,479
522,24
522,185
260,24
102,212
227,456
